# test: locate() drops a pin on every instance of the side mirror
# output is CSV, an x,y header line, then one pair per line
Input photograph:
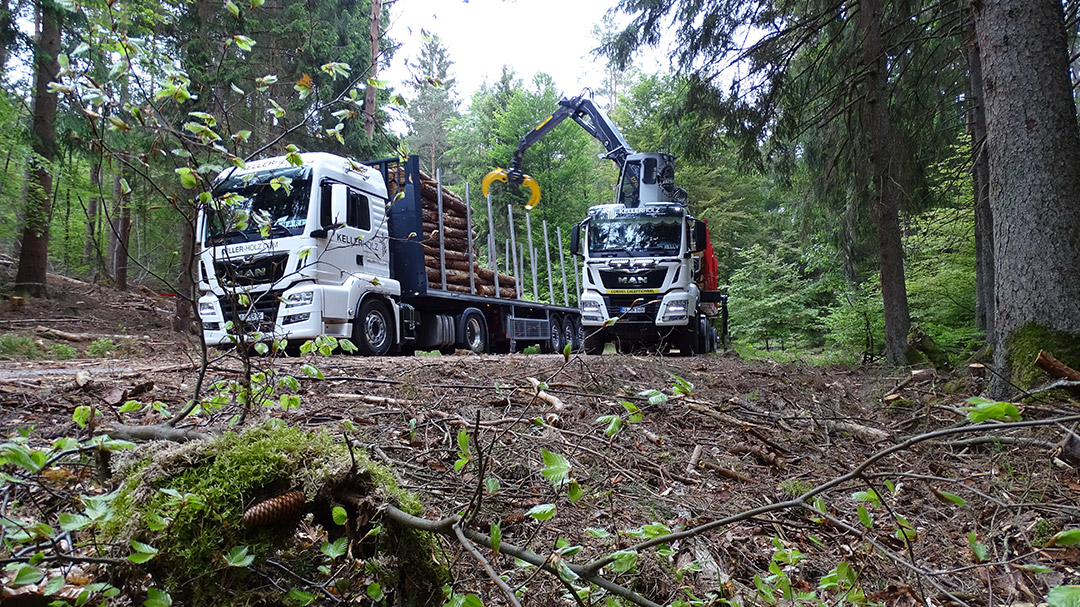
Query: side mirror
x,y
339,199
701,236
575,239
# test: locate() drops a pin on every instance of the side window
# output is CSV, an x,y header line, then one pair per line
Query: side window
x,y
358,214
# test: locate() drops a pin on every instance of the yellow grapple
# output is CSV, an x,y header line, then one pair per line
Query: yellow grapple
x,y
502,175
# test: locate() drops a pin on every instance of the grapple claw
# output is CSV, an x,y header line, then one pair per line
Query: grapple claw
x,y
502,175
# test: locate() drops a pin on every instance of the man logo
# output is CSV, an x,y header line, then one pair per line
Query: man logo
x,y
251,272
632,280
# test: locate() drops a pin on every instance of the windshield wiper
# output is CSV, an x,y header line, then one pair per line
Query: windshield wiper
x,y
229,237
278,229
615,252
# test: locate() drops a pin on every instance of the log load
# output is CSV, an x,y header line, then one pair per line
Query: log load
x,y
455,241
460,277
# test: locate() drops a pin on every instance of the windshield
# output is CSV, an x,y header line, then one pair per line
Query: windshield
x,y
629,236
268,204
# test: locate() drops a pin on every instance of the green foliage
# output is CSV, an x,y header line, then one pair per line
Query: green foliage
x,y
63,351
772,304
19,347
101,348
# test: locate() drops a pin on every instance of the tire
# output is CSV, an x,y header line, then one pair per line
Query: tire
x,y
373,328
568,334
579,336
595,344
688,341
553,343
476,334
702,336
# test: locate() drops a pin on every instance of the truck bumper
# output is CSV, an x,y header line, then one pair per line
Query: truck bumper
x,y
295,315
674,309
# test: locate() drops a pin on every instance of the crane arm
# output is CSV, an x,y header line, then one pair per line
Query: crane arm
x,y
584,112
581,110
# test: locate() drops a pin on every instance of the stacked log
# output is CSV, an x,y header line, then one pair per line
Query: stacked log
x,y
455,233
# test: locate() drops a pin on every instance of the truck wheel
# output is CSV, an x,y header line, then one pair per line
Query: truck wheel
x,y
568,334
594,343
373,329
579,336
688,341
703,336
554,341
476,334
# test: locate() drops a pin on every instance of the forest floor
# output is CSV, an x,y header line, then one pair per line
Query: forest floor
x,y
717,436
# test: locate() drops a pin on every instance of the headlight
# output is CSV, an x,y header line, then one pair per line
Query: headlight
x,y
675,310
207,308
302,298
588,307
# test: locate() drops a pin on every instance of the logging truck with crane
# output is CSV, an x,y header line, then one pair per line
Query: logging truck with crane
x,y
650,275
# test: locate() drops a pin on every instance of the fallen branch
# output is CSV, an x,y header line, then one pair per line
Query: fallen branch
x,y
81,337
446,527
1055,368
554,401
154,432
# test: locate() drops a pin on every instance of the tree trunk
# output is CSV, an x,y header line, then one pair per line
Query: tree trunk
x,y
114,224
1034,150
34,257
371,94
90,244
123,234
885,201
185,287
7,33
980,185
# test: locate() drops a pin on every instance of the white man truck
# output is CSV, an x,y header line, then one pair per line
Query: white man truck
x,y
296,247
650,276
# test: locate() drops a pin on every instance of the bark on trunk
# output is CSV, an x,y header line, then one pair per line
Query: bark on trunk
x,y
885,200
1034,149
33,259
90,244
371,95
183,316
980,182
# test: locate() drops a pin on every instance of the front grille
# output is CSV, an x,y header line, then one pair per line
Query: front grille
x,y
632,308
258,316
248,272
622,279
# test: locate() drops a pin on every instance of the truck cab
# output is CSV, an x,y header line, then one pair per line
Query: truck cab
x,y
294,250
640,278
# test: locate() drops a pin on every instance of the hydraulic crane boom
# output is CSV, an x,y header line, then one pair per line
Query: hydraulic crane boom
x,y
642,177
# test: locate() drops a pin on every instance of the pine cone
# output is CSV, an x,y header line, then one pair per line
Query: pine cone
x,y
275,510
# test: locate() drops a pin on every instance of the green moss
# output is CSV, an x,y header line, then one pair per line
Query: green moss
x,y
188,501
1024,345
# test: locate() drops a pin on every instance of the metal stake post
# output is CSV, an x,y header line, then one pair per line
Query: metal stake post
x,y
469,241
442,241
562,267
513,247
493,260
532,256
547,255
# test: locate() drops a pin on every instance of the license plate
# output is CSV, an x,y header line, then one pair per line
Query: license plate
x,y
252,316
633,310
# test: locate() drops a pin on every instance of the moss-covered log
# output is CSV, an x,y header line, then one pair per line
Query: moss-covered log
x,y
188,502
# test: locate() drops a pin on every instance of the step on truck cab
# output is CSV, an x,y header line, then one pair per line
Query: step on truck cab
x,y
296,247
